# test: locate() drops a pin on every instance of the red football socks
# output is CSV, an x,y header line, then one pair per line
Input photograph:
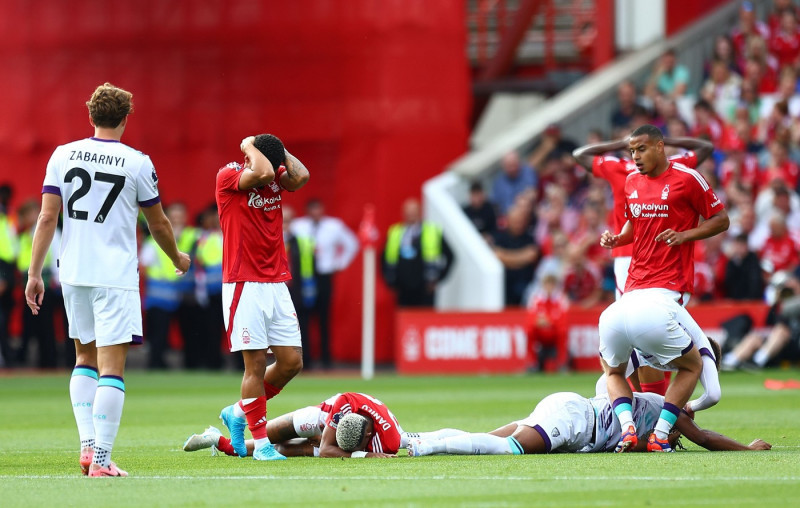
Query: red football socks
x,y
256,414
659,387
271,390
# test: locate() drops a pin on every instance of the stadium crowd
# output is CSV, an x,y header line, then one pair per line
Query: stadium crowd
x,y
544,213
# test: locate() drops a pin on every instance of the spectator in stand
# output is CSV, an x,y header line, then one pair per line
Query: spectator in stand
x,y
591,225
416,258
628,106
722,88
552,261
666,115
747,27
552,144
757,70
787,92
480,212
547,326
668,77
335,247
774,17
715,254
782,339
780,166
743,222
743,278
784,43
583,279
707,123
516,249
514,178
724,51
739,172
775,127
780,249
554,214
749,101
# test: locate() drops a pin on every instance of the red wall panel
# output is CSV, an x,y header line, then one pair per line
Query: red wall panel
x,y
681,13
373,96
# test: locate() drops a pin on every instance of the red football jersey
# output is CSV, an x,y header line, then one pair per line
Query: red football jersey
x,y
387,430
252,229
615,170
781,252
673,200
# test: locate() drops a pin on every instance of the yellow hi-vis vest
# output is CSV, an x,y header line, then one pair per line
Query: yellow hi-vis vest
x,y
430,242
164,270
306,247
8,240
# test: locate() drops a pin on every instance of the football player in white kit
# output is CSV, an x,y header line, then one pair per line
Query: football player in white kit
x,y
101,184
567,422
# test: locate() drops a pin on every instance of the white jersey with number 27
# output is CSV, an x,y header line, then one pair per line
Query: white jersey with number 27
x,y
102,183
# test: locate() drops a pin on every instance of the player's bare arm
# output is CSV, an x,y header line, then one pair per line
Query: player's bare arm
x,y
161,229
701,148
296,174
328,447
609,240
258,170
585,154
42,238
714,225
714,441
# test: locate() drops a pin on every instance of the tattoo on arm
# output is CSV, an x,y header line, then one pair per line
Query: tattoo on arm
x,y
295,167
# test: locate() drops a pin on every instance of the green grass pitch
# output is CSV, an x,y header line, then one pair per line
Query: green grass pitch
x,y
39,451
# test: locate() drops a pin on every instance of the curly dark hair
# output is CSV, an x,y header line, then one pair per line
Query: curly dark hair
x,y
272,148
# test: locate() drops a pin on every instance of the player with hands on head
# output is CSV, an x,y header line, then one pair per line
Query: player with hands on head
x,y
329,429
258,311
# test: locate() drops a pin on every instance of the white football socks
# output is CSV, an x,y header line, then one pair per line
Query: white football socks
x,y
82,388
473,444
406,437
108,403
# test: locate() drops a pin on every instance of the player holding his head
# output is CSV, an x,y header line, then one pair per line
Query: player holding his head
x,y
369,430
102,184
663,203
615,171
258,310
569,423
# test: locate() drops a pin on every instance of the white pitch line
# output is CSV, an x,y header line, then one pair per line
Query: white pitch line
x,y
421,478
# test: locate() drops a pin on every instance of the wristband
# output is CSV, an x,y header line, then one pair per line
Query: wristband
x,y
358,455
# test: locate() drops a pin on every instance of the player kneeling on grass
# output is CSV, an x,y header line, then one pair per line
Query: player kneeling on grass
x,y
324,430
569,423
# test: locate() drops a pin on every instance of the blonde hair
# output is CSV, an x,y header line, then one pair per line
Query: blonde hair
x,y
109,105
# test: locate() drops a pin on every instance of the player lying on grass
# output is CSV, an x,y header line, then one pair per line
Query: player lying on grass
x,y
345,425
567,422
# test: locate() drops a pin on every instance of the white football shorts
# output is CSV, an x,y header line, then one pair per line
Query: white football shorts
x,y
309,421
646,319
106,316
259,315
564,420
